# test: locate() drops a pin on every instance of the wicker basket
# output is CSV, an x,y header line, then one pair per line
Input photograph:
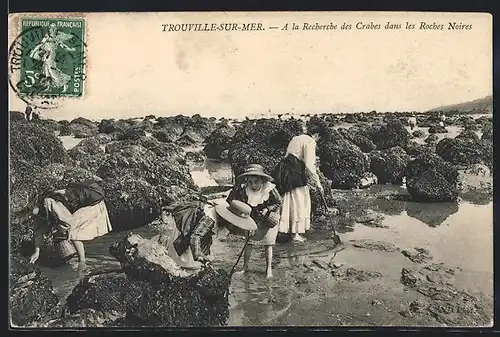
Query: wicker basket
x,y
65,249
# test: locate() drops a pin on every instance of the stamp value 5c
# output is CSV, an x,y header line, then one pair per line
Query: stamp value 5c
x,y
52,57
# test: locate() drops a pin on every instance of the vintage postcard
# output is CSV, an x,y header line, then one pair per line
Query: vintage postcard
x,y
271,169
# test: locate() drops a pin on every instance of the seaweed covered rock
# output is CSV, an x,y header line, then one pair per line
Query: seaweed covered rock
x,y
174,297
487,132
88,154
133,133
431,187
131,201
16,116
476,184
389,165
35,145
387,135
462,151
32,297
219,141
437,129
430,178
432,139
468,134
49,124
418,134
343,163
163,136
108,293
109,126
261,141
365,144
80,128
160,149
195,156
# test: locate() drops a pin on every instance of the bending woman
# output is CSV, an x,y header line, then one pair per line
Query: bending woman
x,y
78,211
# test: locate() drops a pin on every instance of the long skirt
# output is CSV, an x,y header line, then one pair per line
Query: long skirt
x,y
296,211
90,222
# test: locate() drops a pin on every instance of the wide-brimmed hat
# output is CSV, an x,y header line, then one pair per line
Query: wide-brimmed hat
x,y
254,170
237,213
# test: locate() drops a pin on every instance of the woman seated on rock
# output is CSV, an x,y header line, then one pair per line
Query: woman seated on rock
x,y
255,188
77,213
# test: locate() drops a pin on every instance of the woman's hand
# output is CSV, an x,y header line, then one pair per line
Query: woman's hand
x,y
35,256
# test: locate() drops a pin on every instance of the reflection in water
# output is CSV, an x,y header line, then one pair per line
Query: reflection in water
x,y
432,214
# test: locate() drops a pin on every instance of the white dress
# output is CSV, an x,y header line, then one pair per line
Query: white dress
x,y
296,208
263,236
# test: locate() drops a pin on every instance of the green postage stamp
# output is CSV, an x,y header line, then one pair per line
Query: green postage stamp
x,y
52,57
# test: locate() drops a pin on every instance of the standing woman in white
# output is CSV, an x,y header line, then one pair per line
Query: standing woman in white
x,y
294,176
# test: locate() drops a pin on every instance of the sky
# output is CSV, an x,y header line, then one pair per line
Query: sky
x,y
135,69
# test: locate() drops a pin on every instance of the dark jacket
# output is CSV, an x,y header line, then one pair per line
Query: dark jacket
x,y
289,174
272,204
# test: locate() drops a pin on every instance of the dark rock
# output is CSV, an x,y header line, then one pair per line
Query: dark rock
x,y
429,178
35,145
111,126
197,157
432,139
374,245
431,187
342,163
187,140
418,255
415,149
108,293
437,129
219,141
487,133
131,134
468,134
32,297
389,165
86,318
16,116
163,136
464,151
173,297
355,275
418,134
365,144
131,201
80,128
389,134
88,154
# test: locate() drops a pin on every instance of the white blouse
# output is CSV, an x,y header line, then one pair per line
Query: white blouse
x,y
304,148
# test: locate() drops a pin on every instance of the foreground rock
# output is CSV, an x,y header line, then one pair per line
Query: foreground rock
x,y
429,178
32,297
173,297
80,128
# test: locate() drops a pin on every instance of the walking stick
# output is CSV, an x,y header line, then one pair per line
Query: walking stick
x,y
239,257
336,238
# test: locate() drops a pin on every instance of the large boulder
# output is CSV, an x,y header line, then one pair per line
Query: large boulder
x,y
429,178
463,151
468,134
389,165
80,128
32,298
137,183
109,126
219,141
261,141
365,144
33,144
432,139
169,295
343,163
387,135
